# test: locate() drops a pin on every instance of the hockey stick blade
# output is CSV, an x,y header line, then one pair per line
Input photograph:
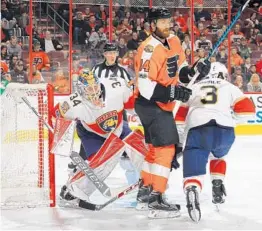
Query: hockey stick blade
x,y
95,207
101,186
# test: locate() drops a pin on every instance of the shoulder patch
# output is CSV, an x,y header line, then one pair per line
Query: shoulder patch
x,y
149,48
64,107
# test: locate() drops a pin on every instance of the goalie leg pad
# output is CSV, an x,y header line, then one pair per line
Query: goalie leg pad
x,y
103,163
136,148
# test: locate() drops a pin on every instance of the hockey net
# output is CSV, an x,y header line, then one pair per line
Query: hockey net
x,y
27,166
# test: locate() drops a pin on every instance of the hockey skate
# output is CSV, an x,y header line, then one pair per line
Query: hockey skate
x,y
143,197
66,199
218,192
160,208
193,207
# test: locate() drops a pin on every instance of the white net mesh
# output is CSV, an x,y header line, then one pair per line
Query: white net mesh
x,y
24,147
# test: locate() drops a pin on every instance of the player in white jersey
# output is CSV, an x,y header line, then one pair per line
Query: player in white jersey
x,y
98,106
209,125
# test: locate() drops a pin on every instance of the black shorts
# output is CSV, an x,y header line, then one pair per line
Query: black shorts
x,y
159,126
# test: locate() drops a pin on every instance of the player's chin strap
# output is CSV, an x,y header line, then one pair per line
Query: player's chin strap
x,y
100,185
214,49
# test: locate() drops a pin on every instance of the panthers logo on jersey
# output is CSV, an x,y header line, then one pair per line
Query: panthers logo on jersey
x,y
108,121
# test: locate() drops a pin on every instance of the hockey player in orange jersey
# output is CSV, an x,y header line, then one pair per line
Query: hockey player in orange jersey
x,y
40,58
209,126
160,64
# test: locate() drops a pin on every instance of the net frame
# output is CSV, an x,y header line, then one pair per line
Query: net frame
x,y
43,95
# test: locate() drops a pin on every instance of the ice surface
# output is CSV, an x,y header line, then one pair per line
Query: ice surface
x,y
242,210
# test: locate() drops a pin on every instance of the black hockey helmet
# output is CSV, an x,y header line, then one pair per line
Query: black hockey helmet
x,y
110,47
157,13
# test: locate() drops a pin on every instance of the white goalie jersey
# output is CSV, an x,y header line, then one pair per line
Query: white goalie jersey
x,y
100,120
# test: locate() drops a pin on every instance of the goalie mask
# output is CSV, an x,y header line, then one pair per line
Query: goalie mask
x,y
218,71
89,87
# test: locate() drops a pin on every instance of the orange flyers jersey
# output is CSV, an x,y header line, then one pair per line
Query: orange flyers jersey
x,y
41,60
151,66
4,67
100,120
215,99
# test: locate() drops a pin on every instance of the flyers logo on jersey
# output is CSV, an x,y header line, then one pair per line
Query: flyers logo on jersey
x,y
149,48
108,121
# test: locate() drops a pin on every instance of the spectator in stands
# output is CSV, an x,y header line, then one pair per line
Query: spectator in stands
x,y
13,48
181,21
7,27
217,36
201,14
200,29
254,84
120,11
251,71
143,34
40,58
236,59
101,15
4,55
23,21
252,21
87,13
124,29
238,71
78,23
259,25
133,43
240,84
222,55
236,34
214,26
186,44
116,20
245,67
122,49
61,83
188,55
218,13
12,61
97,38
254,36
259,66
18,75
3,68
203,42
138,25
244,49
36,75
178,32
48,44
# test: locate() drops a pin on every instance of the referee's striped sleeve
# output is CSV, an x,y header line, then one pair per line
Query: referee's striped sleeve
x,y
126,76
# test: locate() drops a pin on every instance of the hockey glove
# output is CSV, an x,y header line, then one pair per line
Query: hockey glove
x,y
203,67
172,66
179,92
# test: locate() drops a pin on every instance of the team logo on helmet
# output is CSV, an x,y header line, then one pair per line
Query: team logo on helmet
x,y
108,121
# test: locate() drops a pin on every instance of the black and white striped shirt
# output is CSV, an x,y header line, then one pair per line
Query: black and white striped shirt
x,y
102,70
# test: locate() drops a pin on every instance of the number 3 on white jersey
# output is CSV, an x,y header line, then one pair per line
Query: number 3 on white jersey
x,y
210,94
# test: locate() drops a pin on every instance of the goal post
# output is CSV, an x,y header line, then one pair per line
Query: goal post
x,y
27,165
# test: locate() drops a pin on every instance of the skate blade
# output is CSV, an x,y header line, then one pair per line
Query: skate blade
x,y
142,206
161,214
194,213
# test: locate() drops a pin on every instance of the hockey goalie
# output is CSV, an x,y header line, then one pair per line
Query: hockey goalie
x,y
106,139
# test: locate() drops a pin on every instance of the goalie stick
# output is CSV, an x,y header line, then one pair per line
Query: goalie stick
x,y
77,159
214,49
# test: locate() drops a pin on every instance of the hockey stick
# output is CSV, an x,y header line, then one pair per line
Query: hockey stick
x,y
95,207
76,158
214,49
